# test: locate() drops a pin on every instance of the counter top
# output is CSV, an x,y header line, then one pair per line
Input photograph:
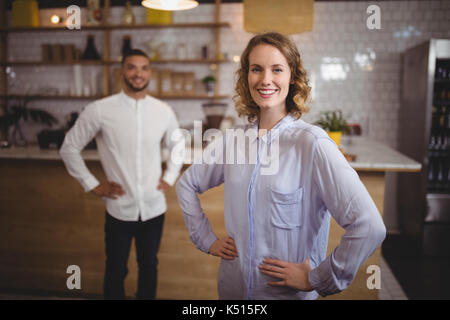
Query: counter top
x,y
375,156
370,155
33,152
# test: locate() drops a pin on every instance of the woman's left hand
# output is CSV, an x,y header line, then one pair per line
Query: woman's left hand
x,y
293,275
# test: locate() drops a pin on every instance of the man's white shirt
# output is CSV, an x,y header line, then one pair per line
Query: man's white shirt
x,y
129,135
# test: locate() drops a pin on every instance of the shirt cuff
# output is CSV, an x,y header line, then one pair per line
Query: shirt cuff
x,y
314,279
89,183
321,280
210,239
170,178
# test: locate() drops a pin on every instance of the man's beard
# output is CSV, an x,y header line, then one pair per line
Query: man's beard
x,y
133,88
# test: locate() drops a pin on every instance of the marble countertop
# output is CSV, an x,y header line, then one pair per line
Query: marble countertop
x,y
375,156
370,155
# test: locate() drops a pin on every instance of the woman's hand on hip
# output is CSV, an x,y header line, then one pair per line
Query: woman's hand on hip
x,y
293,275
224,248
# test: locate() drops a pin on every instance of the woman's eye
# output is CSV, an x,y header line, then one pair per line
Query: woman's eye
x,y
254,69
278,70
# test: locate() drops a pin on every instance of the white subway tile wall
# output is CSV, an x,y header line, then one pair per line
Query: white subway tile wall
x,y
350,67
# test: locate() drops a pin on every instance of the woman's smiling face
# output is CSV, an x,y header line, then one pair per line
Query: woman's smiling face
x,y
269,77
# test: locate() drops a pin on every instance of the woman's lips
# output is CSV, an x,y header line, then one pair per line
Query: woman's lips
x,y
266,93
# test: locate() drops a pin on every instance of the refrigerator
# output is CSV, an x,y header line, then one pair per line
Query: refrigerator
x,y
424,135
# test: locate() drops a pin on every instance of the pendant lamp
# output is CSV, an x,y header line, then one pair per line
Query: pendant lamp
x,y
170,5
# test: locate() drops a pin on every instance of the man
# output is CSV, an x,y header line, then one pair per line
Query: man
x,y
129,128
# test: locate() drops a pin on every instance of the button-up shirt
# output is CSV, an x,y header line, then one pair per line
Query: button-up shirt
x,y
284,214
129,134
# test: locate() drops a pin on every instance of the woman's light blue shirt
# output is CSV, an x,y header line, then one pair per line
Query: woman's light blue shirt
x,y
284,214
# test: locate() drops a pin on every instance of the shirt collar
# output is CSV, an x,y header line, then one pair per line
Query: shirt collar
x,y
275,131
130,100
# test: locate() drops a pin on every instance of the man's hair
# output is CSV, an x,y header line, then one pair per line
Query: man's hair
x,y
134,52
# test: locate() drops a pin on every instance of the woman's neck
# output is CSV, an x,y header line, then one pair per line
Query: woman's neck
x,y
268,120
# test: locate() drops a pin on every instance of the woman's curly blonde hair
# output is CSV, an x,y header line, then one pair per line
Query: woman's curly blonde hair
x,y
299,91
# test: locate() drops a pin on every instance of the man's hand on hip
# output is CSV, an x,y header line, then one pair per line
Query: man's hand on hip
x,y
163,186
108,189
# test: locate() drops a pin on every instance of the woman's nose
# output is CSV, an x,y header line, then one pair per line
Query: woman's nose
x,y
266,78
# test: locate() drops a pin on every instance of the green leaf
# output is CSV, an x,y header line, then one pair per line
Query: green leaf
x,y
332,121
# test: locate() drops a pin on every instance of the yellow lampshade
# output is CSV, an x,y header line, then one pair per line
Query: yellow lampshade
x,y
283,16
25,13
158,16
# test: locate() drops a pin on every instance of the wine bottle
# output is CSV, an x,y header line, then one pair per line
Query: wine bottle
x,y
90,53
447,183
126,45
440,172
430,171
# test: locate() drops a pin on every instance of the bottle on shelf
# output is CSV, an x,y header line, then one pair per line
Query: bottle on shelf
x,y
90,53
433,134
439,151
442,69
128,16
447,151
94,16
126,45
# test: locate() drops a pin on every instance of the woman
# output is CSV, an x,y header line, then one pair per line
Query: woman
x,y
278,222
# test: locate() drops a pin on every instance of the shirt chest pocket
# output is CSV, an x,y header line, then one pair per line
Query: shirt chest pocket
x,y
286,208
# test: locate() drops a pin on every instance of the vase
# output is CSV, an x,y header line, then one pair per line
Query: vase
x,y
94,14
128,16
209,86
335,136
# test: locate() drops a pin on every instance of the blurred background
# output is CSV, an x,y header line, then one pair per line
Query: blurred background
x,y
385,65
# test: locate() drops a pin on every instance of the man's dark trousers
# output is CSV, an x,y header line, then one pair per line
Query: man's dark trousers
x,y
118,238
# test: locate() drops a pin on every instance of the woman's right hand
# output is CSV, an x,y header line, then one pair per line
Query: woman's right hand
x,y
224,248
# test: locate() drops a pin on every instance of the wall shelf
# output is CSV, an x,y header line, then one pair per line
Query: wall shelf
x,y
109,63
207,25
87,62
72,97
40,63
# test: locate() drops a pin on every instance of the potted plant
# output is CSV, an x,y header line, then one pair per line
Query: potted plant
x,y
334,123
209,82
14,114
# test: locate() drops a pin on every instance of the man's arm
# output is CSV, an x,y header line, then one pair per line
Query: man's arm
x,y
84,130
